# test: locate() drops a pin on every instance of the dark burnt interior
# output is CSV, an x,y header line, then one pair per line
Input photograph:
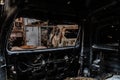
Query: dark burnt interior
x,y
95,55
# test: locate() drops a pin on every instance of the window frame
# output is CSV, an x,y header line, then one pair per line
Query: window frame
x,y
76,46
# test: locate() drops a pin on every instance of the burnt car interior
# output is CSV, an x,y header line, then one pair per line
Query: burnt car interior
x,y
59,40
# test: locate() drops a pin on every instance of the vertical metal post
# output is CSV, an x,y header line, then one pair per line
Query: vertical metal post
x,y
1,7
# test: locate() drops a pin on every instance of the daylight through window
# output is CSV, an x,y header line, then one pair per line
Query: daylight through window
x,y
37,34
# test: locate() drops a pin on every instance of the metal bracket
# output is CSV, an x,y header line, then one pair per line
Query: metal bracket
x,y
2,64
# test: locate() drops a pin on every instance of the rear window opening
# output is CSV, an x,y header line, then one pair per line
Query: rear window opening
x,y
30,33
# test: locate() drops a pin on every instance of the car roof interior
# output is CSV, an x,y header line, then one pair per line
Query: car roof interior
x,y
67,9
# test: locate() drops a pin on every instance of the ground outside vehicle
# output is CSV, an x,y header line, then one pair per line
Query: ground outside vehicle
x,y
37,41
